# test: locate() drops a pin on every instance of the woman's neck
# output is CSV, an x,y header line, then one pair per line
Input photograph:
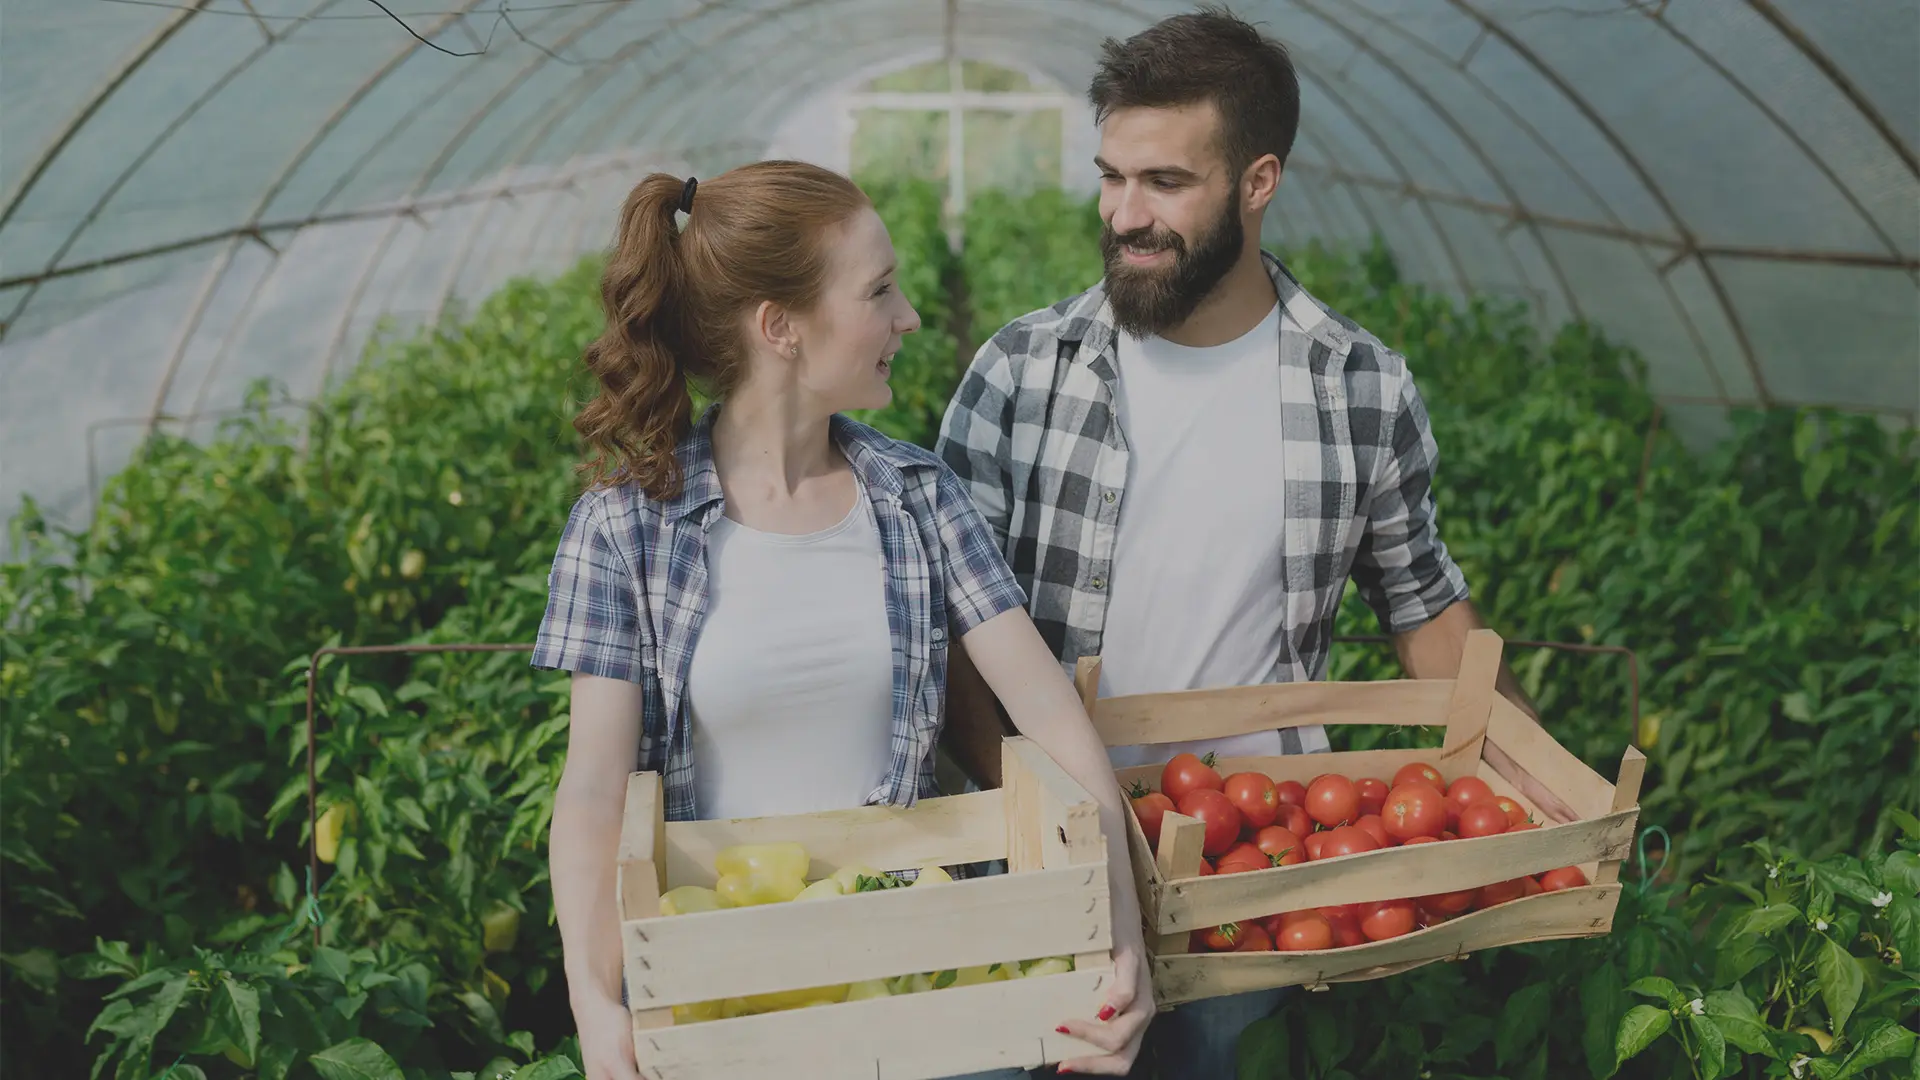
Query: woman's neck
x,y
769,448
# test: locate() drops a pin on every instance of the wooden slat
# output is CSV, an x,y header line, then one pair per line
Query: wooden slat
x,y
1069,818
1181,848
1626,795
1392,873
1502,786
1533,748
1355,764
950,830
710,955
961,1029
640,871
1216,713
1473,693
1571,913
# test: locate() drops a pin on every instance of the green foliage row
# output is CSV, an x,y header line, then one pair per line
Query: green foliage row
x,y
154,686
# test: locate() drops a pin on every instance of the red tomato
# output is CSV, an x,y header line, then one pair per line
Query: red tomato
x,y
1291,793
1282,846
1253,795
1374,827
1523,826
1222,938
1467,791
1482,819
1373,794
1449,835
1420,772
1567,877
1515,812
1206,868
1253,938
1500,892
1294,819
1421,840
1306,934
1222,819
1332,800
1348,933
1449,903
1348,840
1414,809
1316,845
1242,857
1150,807
1530,887
1386,919
1188,773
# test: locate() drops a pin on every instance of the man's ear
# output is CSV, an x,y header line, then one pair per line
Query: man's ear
x,y
1260,182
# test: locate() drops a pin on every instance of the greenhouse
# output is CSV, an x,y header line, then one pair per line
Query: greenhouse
x,y
294,298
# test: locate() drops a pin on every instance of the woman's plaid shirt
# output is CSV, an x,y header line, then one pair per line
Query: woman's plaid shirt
x,y
628,593
1031,432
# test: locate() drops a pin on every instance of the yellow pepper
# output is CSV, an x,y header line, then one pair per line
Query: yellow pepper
x,y
1052,965
689,898
765,887
933,874
849,877
786,859
983,973
820,890
869,988
696,1012
326,832
796,999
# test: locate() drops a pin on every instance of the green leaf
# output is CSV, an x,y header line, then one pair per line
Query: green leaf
x,y
235,1010
552,1068
1522,1022
331,963
1264,1050
1603,1002
1323,1040
355,1059
1880,1040
1710,1045
1654,986
1841,980
1901,872
1763,921
1903,920
368,699
1848,882
1909,824
1732,963
1638,1029
1797,707
1739,1020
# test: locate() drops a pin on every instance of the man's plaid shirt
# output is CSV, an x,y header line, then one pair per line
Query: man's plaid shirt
x,y
628,593
1032,433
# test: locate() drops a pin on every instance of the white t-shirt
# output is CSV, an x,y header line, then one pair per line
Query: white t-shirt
x,y
791,683
1195,597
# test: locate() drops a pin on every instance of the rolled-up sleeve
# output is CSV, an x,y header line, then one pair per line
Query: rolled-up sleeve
x,y
1401,568
592,623
979,584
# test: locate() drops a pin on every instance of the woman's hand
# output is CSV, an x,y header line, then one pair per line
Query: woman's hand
x,y
606,1039
1123,1023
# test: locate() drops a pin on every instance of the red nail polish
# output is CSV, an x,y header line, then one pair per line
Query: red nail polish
x,y
1062,1029
1106,1013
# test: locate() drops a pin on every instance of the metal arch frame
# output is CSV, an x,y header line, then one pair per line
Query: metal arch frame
x,y
141,54
1820,60
1632,161
139,160
1520,211
209,285
1467,140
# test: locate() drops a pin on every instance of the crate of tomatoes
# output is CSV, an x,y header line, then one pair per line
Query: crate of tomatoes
x,y
838,943
1320,868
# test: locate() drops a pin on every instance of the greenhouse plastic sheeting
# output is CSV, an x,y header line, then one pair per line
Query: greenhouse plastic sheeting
x,y
198,194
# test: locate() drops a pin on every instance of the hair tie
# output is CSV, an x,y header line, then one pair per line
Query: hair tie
x,y
686,195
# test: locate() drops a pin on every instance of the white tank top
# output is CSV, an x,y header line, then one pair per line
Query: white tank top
x,y
791,684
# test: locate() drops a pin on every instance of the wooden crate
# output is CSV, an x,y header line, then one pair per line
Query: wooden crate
x,y
1175,901
1054,901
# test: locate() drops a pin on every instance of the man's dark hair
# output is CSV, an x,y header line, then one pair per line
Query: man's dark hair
x,y
1206,55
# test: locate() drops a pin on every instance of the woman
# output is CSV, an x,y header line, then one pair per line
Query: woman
x,y
758,601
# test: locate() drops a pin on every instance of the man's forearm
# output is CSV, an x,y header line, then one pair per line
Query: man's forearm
x,y
974,728
1433,651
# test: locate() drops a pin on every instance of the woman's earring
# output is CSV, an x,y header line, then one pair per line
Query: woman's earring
x,y
793,350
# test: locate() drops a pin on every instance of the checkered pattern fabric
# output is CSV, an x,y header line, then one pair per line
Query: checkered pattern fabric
x,y
1032,433
628,592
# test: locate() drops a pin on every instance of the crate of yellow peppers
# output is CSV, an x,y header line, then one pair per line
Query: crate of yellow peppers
x,y
840,939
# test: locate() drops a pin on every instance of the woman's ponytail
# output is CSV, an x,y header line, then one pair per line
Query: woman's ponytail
x,y
634,425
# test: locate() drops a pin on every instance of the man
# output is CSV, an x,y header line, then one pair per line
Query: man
x,y
1185,462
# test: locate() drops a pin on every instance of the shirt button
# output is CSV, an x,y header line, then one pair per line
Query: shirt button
x,y
1099,583
1109,496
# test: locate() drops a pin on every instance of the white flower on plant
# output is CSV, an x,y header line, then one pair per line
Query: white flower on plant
x,y
1820,925
1773,873
1883,900
1799,1065
1698,1007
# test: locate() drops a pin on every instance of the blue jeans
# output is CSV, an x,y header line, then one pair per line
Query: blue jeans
x,y
1201,1039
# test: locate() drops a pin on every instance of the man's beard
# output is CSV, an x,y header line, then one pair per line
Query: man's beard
x,y
1147,302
